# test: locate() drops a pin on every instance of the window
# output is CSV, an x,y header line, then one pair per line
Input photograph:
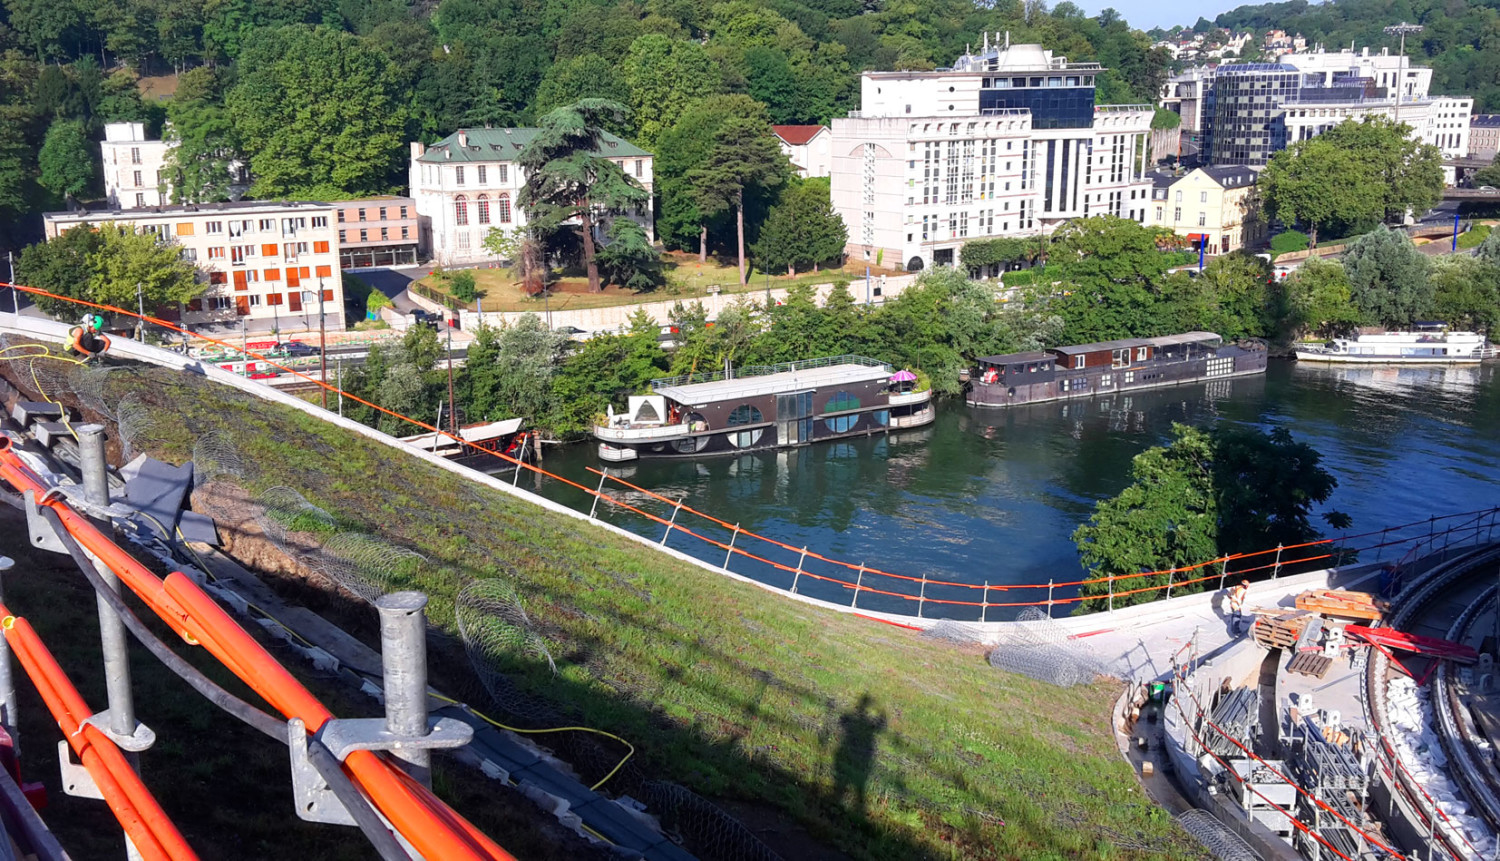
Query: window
x,y
482,180
483,205
1179,196
190,255
639,168
502,204
504,169
404,232
382,211
364,236
1202,219
403,212
342,237
216,253
213,227
273,274
1176,214
385,233
255,302
1140,354
138,182
320,247
841,402
268,225
361,213
341,216
320,221
216,277
135,157
461,210
1203,197
744,414
1078,361
140,199
842,424
458,176
273,298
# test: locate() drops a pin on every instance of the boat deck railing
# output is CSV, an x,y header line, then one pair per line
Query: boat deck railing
x,y
764,370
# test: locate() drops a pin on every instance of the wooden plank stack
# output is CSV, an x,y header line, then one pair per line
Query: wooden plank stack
x,y
1310,664
1341,604
1281,629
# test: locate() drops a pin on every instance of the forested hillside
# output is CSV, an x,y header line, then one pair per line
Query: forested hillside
x,y
319,97
1461,40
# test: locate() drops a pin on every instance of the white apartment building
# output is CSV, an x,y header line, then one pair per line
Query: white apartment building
x,y
808,148
467,183
133,166
1393,72
1484,136
1007,143
263,261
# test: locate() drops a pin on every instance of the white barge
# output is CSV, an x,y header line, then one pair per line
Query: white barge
x,y
1401,348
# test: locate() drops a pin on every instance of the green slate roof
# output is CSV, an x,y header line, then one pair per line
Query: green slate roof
x,y
506,145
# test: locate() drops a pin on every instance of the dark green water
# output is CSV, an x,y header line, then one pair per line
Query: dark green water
x,y
994,495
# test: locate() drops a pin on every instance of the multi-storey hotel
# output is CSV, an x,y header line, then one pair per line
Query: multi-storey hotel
x,y
263,261
1007,142
467,183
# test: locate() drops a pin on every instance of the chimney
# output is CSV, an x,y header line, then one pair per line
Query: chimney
x,y
418,149
463,139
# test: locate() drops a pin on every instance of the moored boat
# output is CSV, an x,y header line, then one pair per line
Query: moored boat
x,y
1086,370
776,406
507,437
1401,348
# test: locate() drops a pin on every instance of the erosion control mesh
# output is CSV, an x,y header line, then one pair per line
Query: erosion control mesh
x,y
364,564
282,510
1038,647
500,641
959,633
138,423
215,457
1222,843
713,834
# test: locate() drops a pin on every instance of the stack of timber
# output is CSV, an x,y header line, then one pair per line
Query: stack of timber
x,y
1310,664
1341,604
1278,629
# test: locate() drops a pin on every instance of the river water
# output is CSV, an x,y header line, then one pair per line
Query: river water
x,y
994,495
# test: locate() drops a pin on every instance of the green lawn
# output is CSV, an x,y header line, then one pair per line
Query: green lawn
x,y
878,743
687,279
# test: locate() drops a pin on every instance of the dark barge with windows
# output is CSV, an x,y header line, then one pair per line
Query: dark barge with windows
x,y
777,406
1086,370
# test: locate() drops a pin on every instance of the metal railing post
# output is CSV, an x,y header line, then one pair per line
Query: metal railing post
x,y
122,723
1223,570
857,581
730,552
922,595
1381,549
7,681
1111,593
1170,572
672,521
984,603
403,659
1276,568
1049,597
798,576
603,474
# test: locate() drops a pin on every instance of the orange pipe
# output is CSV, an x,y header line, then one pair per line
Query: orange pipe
x,y
430,825
138,812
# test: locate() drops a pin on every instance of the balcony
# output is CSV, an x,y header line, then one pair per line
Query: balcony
x,y
915,420
903,399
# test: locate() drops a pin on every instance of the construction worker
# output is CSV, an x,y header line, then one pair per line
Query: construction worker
x,y
1237,605
87,339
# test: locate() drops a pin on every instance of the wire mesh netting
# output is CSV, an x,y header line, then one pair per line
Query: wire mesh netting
x,y
960,633
1222,843
713,834
366,565
282,510
90,386
1037,647
138,424
216,457
501,643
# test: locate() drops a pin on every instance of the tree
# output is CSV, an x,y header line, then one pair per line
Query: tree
x,y
1206,494
686,147
1316,184
203,138
462,286
321,114
744,154
664,76
1229,298
605,369
107,265
67,161
979,254
629,259
513,373
1112,271
1407,174
1466,292
1388,278
567,178
1487,176
586,76
1320,302
803,230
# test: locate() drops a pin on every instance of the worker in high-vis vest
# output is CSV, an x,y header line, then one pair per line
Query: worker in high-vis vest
x,y
1237,605
87,339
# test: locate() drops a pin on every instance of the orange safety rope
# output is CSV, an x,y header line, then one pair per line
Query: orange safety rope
x,y
139,814
743,533
427,823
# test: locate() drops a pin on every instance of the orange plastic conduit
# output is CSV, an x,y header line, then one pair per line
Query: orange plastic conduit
x,y
434,829
138,812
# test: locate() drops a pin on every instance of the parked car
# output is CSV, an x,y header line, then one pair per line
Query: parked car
x,y
297,348
1486,189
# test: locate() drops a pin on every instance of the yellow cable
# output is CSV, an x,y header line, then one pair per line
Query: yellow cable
x,y
46,353
489,720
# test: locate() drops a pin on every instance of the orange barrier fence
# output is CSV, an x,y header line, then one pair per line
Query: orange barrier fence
x,y
898,588
139,814
429,825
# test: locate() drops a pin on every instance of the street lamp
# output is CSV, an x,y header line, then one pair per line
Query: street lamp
x,y
1401,30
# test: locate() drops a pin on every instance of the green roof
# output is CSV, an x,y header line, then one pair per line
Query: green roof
x,y
506,145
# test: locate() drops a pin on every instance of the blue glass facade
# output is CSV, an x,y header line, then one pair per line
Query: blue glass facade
x,y
1051,107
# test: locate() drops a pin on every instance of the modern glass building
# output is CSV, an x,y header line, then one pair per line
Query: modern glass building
x,y
1243,115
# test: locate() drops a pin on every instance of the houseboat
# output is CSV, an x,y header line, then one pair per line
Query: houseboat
x,y
1086,370
506,437
777,406
1401,348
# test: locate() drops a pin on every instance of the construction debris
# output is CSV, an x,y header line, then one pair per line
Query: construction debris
x,y
1342,604
1278,629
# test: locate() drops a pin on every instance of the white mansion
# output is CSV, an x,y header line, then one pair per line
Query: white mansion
x,y
467,183
1008,142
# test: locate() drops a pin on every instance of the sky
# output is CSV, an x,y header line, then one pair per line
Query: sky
x,y
1145,14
